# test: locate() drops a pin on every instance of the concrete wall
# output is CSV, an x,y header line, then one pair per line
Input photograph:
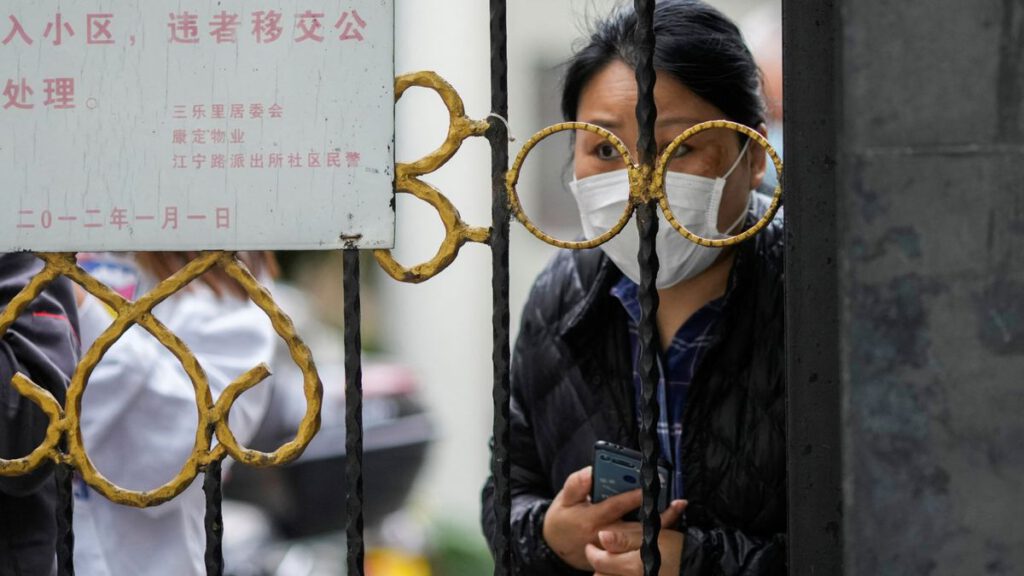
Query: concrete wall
x,y
931,217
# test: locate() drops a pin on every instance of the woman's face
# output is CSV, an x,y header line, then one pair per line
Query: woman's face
x,y
609,100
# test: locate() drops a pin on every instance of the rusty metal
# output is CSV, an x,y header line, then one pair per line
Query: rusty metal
x,y
213,521
213,417
498,136
64,477
647,257
646,184
63,443
658,184
407,180
354,542
512,180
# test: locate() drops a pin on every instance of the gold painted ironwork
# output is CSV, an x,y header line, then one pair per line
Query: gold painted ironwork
x,y
658,183
645,184
407,180
512,179
213,416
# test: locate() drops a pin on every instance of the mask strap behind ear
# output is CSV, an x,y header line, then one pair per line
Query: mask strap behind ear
x,y
743,153
732,230
717,197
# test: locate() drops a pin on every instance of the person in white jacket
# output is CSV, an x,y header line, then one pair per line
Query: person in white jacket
x,y
139,411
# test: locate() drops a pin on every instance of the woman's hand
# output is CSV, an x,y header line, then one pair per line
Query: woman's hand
x,y
619,551
572,522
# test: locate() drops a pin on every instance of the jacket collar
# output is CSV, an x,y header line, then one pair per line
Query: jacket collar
x,y
593,276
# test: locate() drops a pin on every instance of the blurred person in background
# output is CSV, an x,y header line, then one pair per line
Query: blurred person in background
x,y
42,343
762,29
575,375
139,410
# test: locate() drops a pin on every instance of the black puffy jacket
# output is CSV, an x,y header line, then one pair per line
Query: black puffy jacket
x,y
572,385
43,344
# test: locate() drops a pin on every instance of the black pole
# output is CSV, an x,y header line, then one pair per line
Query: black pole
x,y
63,476
353,415
498,137
647,221
214,520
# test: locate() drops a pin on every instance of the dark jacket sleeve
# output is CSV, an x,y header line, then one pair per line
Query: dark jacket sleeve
x,y
730,552
531,493
42,344
530,553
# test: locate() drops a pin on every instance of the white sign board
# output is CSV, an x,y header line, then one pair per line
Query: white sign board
x,y
187,125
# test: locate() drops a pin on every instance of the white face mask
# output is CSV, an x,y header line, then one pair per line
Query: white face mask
x,y
694,200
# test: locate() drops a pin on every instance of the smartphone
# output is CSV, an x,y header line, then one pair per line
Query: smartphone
x,y
617,470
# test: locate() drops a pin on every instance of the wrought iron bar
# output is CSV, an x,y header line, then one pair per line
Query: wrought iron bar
x,y
214,519
647,220
353,414
64,476
497,134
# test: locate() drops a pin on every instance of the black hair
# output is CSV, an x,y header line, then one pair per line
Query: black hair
x,y
694,42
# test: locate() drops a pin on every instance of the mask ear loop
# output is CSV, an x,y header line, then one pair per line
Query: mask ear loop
x,y
742,217
743,152
716,198
750,198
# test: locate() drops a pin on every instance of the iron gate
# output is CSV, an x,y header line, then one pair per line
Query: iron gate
x,y
819,548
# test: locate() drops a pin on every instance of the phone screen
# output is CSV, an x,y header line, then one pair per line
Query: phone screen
x,y
617,470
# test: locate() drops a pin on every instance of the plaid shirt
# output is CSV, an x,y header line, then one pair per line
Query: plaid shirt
x,y
676,368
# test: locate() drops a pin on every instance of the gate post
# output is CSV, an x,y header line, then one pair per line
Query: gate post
x,y
810,51
931,284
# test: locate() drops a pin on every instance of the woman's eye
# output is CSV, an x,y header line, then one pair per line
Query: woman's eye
x,y
607,152
680,151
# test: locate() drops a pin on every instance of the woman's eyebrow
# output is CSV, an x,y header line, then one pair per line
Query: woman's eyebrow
x,y
607,123
677,121
612,124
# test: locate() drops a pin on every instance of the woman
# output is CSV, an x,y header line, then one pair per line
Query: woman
x,y
720,322
139,409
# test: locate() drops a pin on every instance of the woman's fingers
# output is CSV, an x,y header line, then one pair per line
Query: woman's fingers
x,y
610,564
617,541
577,487
628,536
614,508
673,513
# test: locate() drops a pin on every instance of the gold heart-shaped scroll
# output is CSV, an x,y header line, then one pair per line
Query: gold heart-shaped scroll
x,y
407,180
213,416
